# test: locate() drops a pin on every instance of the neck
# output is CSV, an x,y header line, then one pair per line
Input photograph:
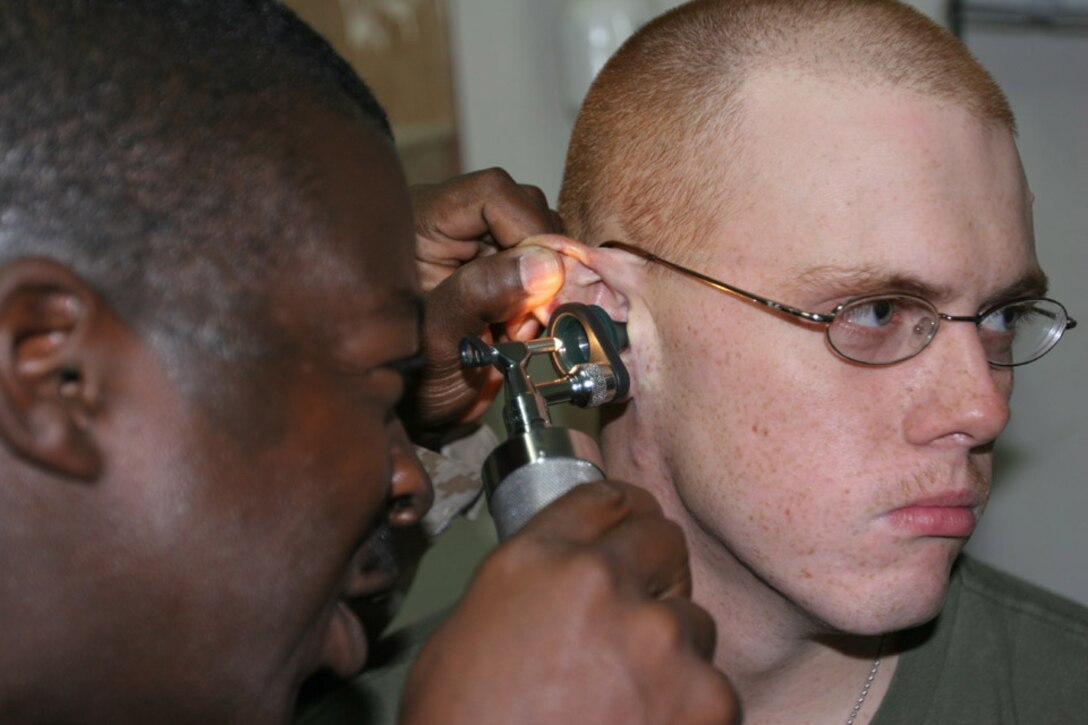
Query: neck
x,y
785,665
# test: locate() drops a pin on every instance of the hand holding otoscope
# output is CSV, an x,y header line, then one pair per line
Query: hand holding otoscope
x,y
578,586
582,584
539,462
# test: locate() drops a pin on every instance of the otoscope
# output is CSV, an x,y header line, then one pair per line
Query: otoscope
x,y
539,462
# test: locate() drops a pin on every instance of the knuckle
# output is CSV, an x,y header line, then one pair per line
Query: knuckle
x,y
495,178
714,700
671,535
591,568
421,196
659,632
647,502
535,193
611,496
584,571
721,691
512,562
632,499
512,558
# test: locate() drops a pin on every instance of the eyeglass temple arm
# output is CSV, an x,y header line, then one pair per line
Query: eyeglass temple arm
x,y
710,281
1070,323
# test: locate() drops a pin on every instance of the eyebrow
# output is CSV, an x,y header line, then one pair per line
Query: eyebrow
x,y
412,298
401,303
409,365
1032,283
832,281
402,299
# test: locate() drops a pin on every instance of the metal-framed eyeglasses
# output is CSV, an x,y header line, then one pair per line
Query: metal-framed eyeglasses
x,y
884,329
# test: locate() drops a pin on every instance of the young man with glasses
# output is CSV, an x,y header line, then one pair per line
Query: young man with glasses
x,y
813,219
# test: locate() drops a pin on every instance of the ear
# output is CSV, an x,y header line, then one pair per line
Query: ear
x,y
594,276
49,378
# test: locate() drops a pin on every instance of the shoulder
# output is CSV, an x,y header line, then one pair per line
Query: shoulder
x,y
1002,651
1010,602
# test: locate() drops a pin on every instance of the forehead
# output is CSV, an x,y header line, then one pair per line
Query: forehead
x,y
878,179
357,262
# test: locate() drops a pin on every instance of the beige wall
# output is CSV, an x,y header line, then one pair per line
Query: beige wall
x,y
405,59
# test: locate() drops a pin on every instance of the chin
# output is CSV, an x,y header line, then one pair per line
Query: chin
x,y
905,599
901,597
886,612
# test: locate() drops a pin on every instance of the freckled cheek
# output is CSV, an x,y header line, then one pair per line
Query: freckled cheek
x,y
766,440
734,425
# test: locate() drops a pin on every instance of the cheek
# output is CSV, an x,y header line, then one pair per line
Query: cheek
x,y
316,481
775,438
339,451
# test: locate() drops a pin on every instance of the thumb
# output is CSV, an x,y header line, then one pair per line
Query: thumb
x,y
494,289
499,288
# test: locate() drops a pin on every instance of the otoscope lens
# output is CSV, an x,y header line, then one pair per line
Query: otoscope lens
x,y
575,342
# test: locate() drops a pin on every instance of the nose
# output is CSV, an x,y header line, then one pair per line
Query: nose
x,y
959,397
411,494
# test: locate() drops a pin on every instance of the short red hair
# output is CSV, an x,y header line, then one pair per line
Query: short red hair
x,y
655,129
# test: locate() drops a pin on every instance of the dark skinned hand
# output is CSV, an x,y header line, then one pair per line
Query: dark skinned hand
x,y
477,281
583,616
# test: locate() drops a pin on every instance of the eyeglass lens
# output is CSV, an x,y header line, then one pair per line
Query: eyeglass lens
x,y
889,328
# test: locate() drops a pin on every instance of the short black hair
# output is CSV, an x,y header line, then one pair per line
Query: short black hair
x,y
148,145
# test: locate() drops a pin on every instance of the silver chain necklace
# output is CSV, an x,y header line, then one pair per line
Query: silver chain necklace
x,y
868,684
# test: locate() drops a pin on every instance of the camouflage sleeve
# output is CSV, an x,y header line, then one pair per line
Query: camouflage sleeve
x,y
455,474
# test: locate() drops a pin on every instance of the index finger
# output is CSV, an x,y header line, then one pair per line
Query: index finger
x,y
486,203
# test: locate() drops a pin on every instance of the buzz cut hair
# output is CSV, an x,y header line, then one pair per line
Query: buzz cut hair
x,y
650,149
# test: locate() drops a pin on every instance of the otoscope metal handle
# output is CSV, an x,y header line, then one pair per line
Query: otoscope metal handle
x,y
539,462
529,471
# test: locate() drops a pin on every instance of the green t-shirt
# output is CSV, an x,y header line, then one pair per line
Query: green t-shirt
x,y
1001,651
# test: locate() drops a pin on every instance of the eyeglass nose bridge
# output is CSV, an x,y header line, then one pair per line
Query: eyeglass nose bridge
x,y
975,320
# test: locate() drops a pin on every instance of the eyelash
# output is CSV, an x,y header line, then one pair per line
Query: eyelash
x,y
409,365
408,370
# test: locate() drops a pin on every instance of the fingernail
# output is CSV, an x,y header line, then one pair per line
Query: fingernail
x,y
540,270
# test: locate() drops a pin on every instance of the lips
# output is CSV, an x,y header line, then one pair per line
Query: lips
x,y
951,515
371,576
357,616
346,644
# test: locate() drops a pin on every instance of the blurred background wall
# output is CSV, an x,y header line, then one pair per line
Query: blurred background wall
x,y
401,48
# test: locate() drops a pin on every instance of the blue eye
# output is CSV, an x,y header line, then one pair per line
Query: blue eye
x,y
1005,320
871,313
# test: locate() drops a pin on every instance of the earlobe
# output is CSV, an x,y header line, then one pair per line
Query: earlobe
x,y
49,380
